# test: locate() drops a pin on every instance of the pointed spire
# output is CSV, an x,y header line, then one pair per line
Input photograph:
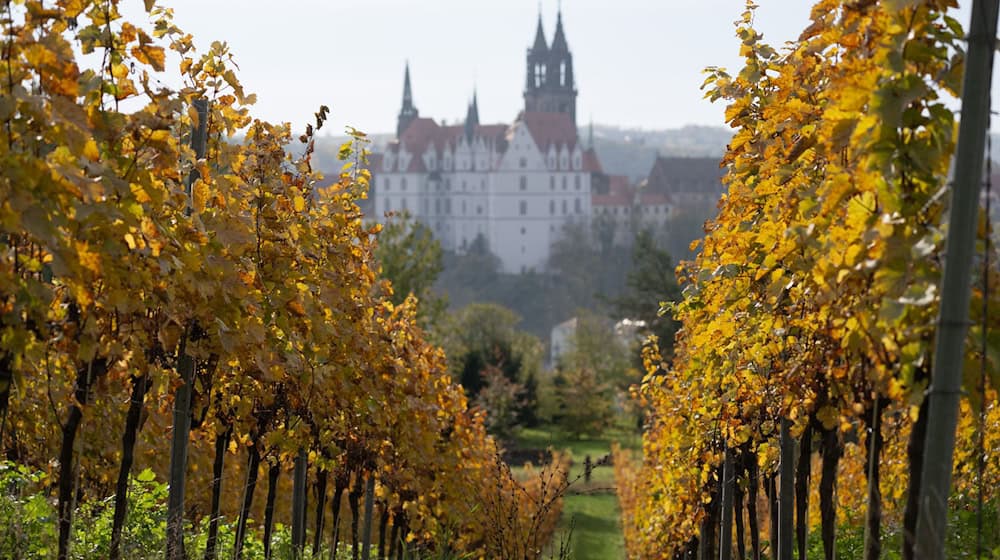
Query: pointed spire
x,y
590,133
559,40
540,45
472,118
407,92
407,113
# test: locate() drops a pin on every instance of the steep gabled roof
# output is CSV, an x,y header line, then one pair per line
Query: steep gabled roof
x,y
688,175
551,128
620,193
423,133
591,163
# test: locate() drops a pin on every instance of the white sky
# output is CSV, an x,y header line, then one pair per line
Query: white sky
x,y
638,63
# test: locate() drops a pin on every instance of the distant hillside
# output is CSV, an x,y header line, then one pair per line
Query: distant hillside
x,y
623,151
630,151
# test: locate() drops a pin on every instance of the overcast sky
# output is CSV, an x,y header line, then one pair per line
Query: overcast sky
x,y
638,63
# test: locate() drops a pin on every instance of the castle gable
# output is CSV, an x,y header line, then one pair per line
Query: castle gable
x,y
551,129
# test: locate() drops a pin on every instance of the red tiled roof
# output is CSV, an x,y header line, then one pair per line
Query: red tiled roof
x,y
591,164
551,128
495,132
424,132
653,199
419,135
620,193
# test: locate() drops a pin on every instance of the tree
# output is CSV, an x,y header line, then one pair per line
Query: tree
x,y
585,402
411,259
482,336
649,285
586,265
502,399
596,346
590,373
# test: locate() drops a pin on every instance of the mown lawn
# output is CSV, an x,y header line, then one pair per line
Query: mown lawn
x,y
591,508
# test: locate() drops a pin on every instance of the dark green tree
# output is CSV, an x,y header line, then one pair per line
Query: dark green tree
x,y
484,335
411,259
650,283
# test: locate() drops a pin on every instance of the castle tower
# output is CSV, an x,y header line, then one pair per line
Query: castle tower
x,y
550,86
537,64
407,113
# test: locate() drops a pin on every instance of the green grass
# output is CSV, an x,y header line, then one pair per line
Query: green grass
x,y
597,533
592,508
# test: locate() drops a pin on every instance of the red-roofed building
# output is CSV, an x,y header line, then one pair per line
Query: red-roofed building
x,y
624,209
516,185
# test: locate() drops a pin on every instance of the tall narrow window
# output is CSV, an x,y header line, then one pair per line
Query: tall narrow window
x,y
577,207
523,207
552,207
524,183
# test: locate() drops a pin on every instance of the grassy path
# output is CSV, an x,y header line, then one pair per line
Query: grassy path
x,y
592,507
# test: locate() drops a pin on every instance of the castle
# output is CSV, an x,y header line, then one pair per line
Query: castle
x,y
517,185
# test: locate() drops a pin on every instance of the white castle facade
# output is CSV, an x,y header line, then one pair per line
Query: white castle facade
x,y
516,185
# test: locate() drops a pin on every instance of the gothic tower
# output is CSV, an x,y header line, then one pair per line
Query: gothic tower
x,y
408,112
550,87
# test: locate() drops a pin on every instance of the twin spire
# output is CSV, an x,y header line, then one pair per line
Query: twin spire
x,y
549,88
559,43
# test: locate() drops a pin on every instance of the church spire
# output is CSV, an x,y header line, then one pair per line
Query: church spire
x,y
540,45
559,40
407,113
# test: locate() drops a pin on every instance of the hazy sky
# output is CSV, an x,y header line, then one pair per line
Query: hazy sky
x,y
638,63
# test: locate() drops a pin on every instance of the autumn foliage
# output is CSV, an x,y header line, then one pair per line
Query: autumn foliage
x,y
814,298
125,255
